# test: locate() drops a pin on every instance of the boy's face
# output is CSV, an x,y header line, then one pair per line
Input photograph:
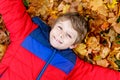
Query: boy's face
x,y
63,35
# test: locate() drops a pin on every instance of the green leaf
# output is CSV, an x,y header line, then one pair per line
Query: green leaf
x,y
118,42
104,41
0,27
118,20
118,63
26,3
118,36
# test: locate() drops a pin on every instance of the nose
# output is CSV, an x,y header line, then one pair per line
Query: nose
x,y
61,35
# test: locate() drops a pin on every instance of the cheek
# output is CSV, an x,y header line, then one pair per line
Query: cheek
x,y
68,42
54,31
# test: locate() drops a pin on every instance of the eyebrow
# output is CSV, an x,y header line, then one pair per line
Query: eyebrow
x,y
60,23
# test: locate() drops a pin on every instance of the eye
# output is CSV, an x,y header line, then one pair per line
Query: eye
x,y
69,35
60,27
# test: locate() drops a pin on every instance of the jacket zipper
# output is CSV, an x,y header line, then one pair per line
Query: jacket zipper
x,y
46,65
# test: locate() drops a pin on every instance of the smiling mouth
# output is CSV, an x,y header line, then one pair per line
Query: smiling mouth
x,y
57,40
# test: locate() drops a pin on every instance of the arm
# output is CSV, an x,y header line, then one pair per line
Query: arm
x,y
16,19
18,23
86,71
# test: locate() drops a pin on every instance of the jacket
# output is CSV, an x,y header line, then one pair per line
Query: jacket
x,y
31,57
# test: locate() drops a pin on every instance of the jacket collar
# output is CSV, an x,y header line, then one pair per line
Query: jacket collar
x,y
41,34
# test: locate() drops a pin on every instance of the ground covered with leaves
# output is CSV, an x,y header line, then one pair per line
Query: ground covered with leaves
x,y
102,43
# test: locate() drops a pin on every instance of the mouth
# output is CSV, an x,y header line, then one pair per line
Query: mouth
x,y
57,40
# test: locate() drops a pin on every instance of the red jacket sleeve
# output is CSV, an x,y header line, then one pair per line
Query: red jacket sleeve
x,y
18,23
16,19
86,71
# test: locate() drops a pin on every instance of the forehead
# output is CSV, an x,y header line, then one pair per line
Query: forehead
x,y
65,24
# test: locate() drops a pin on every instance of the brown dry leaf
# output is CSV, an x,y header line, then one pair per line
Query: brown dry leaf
x,y
80,8
102,10
51,4
112,20
118,56
51,20
39,7
4,39
68,1
111,14
76,6
95,25
116,27
93,43
102,62
105,26
31,10
2,50
112,58
61,6
104,52
95,4
112,34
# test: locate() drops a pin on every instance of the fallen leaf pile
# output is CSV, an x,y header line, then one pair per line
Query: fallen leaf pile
x,y
102,43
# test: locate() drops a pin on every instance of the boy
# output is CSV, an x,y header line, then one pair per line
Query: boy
x,y
33,55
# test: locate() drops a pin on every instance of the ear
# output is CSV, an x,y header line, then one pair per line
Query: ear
x,y
73,46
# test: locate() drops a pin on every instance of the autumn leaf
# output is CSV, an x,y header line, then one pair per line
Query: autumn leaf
x,y
61,6
68,1
112,3
2,50
116,27
102,10
118,20
102,62
104,52
66,8
105,26
95,4
81,49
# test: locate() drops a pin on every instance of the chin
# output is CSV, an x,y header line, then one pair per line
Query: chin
x,y
58,47
55,46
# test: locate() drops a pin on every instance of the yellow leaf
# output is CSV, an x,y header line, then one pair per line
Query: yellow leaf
x,y
80,8
2,50
112,4
81,49
97,57
66,8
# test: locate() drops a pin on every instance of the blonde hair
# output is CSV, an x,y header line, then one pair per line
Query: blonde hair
x,y
78,22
